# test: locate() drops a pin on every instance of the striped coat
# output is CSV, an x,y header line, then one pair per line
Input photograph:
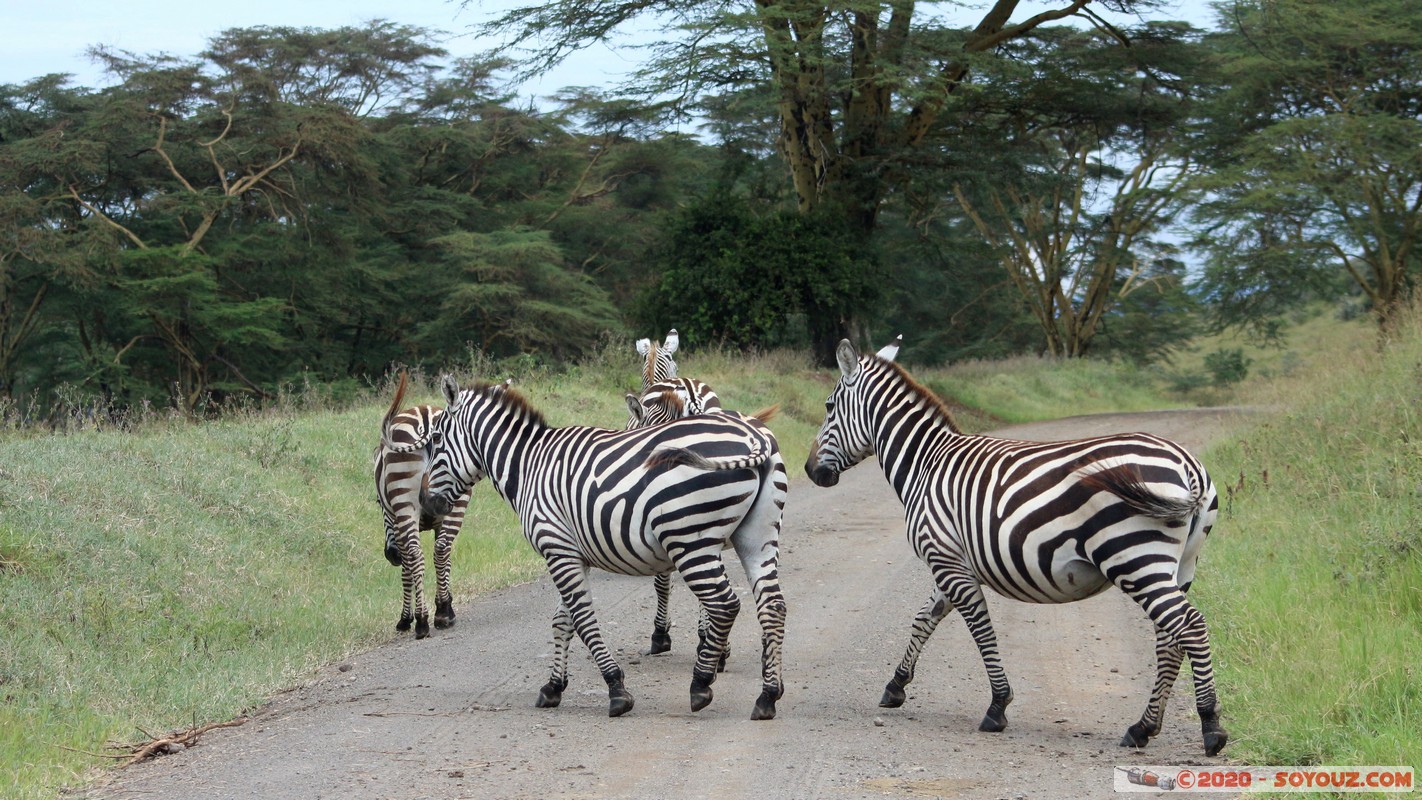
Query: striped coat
x,y
1037,522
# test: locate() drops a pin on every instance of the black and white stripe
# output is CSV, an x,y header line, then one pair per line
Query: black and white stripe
x,y
664,401
1038,522
671,399
637,502
400,462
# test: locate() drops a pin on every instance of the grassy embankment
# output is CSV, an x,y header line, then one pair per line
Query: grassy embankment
x,y
182,573
1313,580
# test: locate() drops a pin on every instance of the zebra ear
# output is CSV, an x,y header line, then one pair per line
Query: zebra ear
x,y
890,351
848,358
634,404
643,345
451,390
673,340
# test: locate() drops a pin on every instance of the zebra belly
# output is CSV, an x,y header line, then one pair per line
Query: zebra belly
x,y
1071,579
1076,579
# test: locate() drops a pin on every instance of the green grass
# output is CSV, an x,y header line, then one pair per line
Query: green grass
x,y
179,573
1313,579
1029,389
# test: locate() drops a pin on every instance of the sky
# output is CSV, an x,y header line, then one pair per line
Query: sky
x,y
39,37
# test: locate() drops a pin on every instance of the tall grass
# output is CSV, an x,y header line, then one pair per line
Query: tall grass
x,y
1313,580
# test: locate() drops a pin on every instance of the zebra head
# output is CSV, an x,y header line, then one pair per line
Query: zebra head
x,y
661,403
657,362
453,465
846,435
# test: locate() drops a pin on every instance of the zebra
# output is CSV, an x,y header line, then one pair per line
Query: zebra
x,y
1038,522
664,401
399,481
637,502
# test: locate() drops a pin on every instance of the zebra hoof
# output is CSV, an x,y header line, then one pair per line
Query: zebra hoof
x,y
422,627
1215,741
994,721
404,623
661,643
701,691
444,614
893,696
619,704
765,705
1137,736
549,696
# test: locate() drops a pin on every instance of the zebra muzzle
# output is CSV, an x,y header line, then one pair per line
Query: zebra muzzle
x,y
436,505
822,475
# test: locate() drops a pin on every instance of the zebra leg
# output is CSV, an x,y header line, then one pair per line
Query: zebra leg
x,y
570,576
757,543
966,595
721,606
661,624
392,548
444,598
1167,667
924,624
702,626
552,692
412,576
1184,626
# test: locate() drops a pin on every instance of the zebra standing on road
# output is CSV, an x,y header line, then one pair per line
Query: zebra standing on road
x,y
1039,522
665,397
400,461
661,402
637,502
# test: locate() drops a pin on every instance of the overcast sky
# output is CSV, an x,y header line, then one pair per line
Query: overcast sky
x,y
38,37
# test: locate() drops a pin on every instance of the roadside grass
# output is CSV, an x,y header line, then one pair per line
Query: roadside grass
x,y
1030,389
1313,578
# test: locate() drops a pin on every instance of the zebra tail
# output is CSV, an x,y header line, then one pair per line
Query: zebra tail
x,y
1127,483
394,403
685,457
766,414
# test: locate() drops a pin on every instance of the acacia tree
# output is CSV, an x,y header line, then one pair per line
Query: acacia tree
x,y
857,85
1316,150
1075,166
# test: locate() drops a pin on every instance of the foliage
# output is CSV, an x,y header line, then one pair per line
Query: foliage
x,y
299,202
1091,175
742,278
1315,144
511,293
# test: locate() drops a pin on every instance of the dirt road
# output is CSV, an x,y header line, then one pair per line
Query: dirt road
x,y
453,717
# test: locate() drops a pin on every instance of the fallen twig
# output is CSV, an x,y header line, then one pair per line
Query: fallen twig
x,y
187,738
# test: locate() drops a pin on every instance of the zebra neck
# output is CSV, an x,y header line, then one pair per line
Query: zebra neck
x,y
911,439
504,447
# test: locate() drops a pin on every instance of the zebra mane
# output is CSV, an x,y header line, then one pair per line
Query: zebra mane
x,y
927,394
649,365
508,397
